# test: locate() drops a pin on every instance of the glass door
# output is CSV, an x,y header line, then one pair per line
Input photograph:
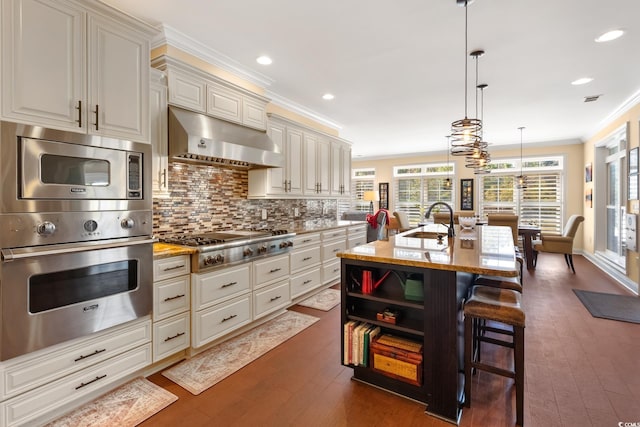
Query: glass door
x,y
616,170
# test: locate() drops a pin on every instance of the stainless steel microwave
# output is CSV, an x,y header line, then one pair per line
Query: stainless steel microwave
x,y
59,170
46,170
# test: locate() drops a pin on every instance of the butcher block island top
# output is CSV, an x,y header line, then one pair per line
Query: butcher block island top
x,y
481,250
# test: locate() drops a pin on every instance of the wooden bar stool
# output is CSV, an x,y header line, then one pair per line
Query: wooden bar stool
x,y
502,306
513,283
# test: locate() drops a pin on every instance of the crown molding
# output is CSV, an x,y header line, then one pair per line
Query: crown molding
x,y
632,101
175,38
303,111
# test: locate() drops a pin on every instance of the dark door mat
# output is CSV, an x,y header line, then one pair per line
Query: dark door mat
x,y
610,306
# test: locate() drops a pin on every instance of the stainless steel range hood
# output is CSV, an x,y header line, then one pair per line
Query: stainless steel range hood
x,y
194,137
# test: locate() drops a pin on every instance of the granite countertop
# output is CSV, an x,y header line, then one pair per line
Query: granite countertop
x,y
303,227
482,250
166,250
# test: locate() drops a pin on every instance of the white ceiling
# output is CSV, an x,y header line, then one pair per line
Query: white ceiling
x,y
396,68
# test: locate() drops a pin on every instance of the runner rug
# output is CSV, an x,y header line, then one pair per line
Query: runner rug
x,y
610,306
212,366
324,300
126,406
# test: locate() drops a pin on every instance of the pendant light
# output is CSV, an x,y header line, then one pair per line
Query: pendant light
x,y
479,158
465,132
521,182
447,182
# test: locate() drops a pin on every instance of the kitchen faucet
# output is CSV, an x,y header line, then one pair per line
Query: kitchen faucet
x,y
450,231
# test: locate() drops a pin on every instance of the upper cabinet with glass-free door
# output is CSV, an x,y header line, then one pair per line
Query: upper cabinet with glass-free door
x,y
75,65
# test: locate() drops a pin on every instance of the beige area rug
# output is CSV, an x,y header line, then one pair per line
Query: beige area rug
x,y
128,405
324,300
212,366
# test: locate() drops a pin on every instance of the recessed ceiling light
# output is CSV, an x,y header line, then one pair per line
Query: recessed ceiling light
x,y
581,81
264,60
609,35
328,96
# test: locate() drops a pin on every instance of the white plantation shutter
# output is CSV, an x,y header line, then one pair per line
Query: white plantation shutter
x,y
414,195
497,194
541,202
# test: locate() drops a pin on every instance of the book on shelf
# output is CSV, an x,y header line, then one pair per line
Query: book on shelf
x,y
357,342
347,341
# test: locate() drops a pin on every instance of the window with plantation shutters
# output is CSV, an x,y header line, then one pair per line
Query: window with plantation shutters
x,y
417,187
540,203
361,180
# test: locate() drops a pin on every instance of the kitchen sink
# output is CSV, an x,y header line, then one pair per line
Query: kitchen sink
x,y
426,235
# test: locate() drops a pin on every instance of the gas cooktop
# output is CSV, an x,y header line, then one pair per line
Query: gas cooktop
x,y
224,248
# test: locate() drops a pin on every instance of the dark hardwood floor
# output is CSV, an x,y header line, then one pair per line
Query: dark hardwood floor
x,y
580,371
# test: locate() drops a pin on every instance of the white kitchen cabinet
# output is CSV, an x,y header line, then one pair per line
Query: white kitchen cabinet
x,y
333,241
270,269
317,158
285,181
46,380
340,168
356,235
77,66
270,299
171,306
305,264
197,90
29,406
220,320
224,103
159,134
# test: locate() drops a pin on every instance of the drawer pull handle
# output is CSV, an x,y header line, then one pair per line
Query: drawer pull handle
x,y
229,284
307,240
179,334
306,282
307,258
336,250
172,298
97,116
275,298
335,270
79,108
92,381
230,317
275,270
82,357
177,267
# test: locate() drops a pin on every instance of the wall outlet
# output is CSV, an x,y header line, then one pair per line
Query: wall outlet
x,y
264,214
296,212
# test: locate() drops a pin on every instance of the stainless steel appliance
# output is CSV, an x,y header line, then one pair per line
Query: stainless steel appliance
x,y
226,248
75,236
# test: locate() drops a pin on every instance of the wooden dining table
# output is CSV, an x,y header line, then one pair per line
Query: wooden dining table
x,y
528,232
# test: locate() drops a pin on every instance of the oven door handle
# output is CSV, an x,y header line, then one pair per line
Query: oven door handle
x,y
20,253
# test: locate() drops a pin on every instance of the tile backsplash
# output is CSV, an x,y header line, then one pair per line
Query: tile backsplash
x,y
205,198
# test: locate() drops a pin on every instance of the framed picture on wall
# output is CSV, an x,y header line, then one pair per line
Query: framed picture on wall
x,y
588,174
466,194
633,161
383,189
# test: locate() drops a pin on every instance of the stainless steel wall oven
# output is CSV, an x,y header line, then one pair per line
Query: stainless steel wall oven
x,y
75,236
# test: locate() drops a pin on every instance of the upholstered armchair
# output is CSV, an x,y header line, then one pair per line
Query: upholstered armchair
x,y
402,220
559,244
508,220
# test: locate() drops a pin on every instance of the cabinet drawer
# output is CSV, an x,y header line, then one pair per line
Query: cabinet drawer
x,y
329,250
166,268
304,258
269,269
334,234
218,286
170,336
26,407
30,371
224,103
219,320
331,271
271,298
305,282
171,296
357,229
357,239
306,239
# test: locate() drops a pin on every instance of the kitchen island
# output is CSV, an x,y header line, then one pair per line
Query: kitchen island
x,y
425,294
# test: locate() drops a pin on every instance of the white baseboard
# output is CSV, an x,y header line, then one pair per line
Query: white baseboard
x,y
612,271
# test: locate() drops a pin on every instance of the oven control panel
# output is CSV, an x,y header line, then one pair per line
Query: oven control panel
x,y
31,229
